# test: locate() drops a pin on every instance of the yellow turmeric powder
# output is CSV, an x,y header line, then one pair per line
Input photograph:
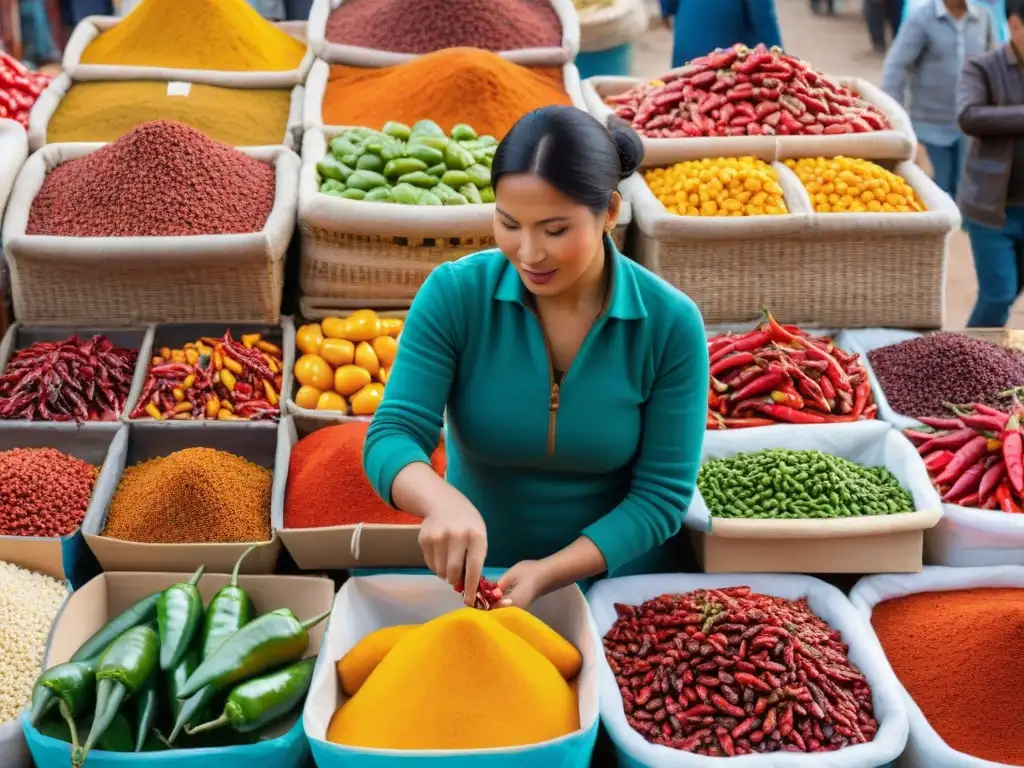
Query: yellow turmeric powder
x,y
105,111
552,646
226,35
461,681
358,664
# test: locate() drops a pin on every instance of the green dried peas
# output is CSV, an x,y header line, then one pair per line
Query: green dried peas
x,y
779,483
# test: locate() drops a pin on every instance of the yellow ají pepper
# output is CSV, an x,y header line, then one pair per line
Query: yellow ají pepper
x,y
723,186
848,185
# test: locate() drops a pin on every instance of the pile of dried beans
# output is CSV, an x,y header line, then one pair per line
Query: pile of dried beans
x,y
69,380
745,92
781,374
212,378
974,457
726,672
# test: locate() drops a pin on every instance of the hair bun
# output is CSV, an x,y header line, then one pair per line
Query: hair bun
x,y
629,146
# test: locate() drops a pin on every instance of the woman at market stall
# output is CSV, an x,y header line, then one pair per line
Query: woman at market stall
x,y
574,381
700,26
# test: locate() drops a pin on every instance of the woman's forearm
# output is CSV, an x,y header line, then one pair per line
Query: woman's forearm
x,y
418,489
580,560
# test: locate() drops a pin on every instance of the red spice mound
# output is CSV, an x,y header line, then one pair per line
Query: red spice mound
x,y
162,178
43,492
327,485
430,25
958,655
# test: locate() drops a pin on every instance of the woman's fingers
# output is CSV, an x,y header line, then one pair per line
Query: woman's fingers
x,y
455,560
475,555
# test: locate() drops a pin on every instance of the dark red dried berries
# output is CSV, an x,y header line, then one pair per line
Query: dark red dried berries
x,y
43,492
430,25
162,178
920,374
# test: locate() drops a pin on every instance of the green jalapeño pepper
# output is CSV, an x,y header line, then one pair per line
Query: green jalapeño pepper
x,y
273,639
70,686
124,668
142,612
145,712
175,679
229,611
178,614
260,701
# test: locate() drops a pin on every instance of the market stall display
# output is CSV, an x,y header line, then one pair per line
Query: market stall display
x,y
950,634
330,516
71,379
19,89
783,374
420,165
344,363
103,111
220,378
724,186
259,657
758,664
13,151
517,659
848,185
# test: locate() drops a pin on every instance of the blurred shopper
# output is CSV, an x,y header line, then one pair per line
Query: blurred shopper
x,y
924,64
991,112
824,7
883,16
703,25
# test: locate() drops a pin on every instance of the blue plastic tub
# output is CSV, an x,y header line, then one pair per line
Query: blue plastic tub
x,y
614,61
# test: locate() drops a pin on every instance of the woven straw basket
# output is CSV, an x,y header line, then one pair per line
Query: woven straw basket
x,y
827,270
115,281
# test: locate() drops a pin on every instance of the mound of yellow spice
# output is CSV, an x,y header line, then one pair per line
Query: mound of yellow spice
x,y
467,680
226,35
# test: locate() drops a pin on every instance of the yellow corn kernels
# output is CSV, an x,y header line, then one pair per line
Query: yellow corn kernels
x,y
848,185
724,186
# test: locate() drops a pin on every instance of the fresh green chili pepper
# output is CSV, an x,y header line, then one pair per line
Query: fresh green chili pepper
x,y
123,670
262,700
229,611
176,678
179,614
273,639
70,686
117,738
146,708
140,613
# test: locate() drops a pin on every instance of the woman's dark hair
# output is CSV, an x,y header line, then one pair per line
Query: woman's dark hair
x,y
1015,8
572,151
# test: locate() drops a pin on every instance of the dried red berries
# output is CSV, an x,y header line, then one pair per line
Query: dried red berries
x,y
43,492
726,672
488,595
162,178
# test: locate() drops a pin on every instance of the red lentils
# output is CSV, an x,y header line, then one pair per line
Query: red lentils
x,y
196,495
162,178
43,492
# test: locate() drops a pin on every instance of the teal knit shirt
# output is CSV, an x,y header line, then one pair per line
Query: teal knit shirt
x,y
611,453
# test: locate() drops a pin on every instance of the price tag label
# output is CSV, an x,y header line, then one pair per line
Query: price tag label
x,y
178,88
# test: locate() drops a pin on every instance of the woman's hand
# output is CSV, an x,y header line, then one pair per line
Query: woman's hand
x,y
524,582
453,538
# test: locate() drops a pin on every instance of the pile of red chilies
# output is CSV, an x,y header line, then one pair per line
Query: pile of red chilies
x,y
780,374
974,457
69,380
19,89
727,672
745,92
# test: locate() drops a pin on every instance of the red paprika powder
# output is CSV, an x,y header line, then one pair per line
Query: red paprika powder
x,y
958,655
327,485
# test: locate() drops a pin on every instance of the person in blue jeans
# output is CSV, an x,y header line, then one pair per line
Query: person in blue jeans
x,y
700,26
990,104
922,71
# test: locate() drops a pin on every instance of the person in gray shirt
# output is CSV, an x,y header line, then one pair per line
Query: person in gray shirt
x,y
990,105
922,70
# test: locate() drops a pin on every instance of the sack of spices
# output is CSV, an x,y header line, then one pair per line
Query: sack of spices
x,y
953,636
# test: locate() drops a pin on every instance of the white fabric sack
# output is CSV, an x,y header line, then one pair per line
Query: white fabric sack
x,y
925,748
968,537
825,601
319,74
865,340
623,22
49,100
359,217
90,27
271,243
13,151
868,443
368,603
357,56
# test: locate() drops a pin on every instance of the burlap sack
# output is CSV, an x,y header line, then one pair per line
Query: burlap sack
x,y
356,56
49,100
621,23
91,26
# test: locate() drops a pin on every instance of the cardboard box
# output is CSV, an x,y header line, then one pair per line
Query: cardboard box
x,y
65,557
177,335
144,441
109,594
364,545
